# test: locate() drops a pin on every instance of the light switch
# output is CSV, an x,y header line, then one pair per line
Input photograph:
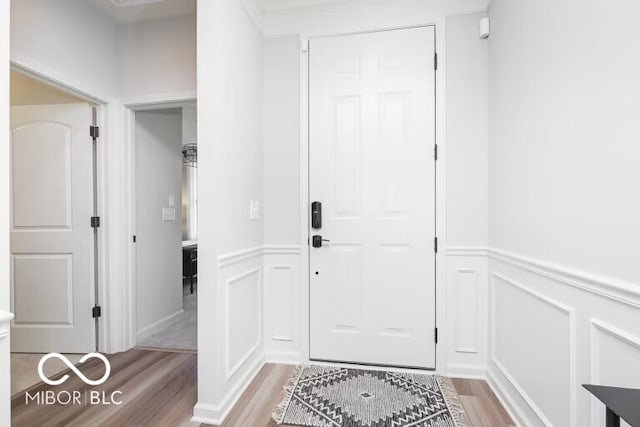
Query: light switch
x,y
168,214
254,210
172,201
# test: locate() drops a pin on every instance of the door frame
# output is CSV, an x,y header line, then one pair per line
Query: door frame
x,y
37,72
129,298
440,138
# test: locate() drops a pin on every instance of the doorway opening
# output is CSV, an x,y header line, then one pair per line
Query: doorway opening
x,y
54,250
166,235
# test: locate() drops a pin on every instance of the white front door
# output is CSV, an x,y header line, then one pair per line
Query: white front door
x,y
372,166
52,287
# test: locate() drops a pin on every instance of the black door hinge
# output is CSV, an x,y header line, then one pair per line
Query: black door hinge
x,y
435,335
95,222
435,152
435,61
134,239
96,311
435,244
94,132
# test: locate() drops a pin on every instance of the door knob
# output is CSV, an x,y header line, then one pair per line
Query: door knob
x,y
317,241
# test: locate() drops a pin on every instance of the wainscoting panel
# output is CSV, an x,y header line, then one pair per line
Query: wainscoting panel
x,y
611,349
244,318
282,303
465,333
545,332
552,330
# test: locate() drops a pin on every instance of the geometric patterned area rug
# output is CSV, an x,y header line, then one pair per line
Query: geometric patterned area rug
x,y
319,396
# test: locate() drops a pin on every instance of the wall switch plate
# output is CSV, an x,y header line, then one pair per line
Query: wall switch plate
x,y
168,214
172,201
254,210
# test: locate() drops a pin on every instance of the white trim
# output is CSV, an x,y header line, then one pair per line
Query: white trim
x,y
304,198
129,304
467,251
231,258
53,78
610,287
281,250
441,214
283,357
215,414
157,326
160,100
507,401
606,286
468,371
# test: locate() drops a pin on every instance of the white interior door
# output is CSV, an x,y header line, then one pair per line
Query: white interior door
x,y
51,234
372,136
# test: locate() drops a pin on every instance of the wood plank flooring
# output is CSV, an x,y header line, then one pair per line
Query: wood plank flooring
x,y
159,389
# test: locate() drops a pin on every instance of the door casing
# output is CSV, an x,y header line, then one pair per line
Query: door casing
x,y
440,120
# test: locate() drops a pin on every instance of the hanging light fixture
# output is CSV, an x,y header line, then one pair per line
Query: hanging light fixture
x,y
190,155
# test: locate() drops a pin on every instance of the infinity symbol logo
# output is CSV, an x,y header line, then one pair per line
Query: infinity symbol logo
x,y
74,369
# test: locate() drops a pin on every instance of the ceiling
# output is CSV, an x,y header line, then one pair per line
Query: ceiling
x,y
131,11
282,5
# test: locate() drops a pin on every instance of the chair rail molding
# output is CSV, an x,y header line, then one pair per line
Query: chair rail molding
x,y
606,286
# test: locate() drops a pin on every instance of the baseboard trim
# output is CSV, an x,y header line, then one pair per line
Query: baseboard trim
x,y
283,357
156,327
207,413
509,400
472,372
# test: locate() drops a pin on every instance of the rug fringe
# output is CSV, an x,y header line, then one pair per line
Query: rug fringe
x,y
452,400
287,392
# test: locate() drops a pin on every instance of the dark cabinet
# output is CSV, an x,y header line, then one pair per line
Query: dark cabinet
x,y
190,263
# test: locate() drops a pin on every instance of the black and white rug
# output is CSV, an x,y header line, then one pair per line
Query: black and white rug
x,y
320,396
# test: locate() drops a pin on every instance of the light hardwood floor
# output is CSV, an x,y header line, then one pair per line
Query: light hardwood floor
x,y
159,389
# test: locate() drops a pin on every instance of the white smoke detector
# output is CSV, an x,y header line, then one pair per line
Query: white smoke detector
x,y
125,3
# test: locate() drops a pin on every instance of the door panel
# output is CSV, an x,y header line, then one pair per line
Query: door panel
x,y
372,133
51,236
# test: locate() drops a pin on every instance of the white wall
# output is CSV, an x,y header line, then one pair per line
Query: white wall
x,y
563,133
229,249
158,177
157,57
466,132
281,122
281,140
69,39
465,332
365,16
